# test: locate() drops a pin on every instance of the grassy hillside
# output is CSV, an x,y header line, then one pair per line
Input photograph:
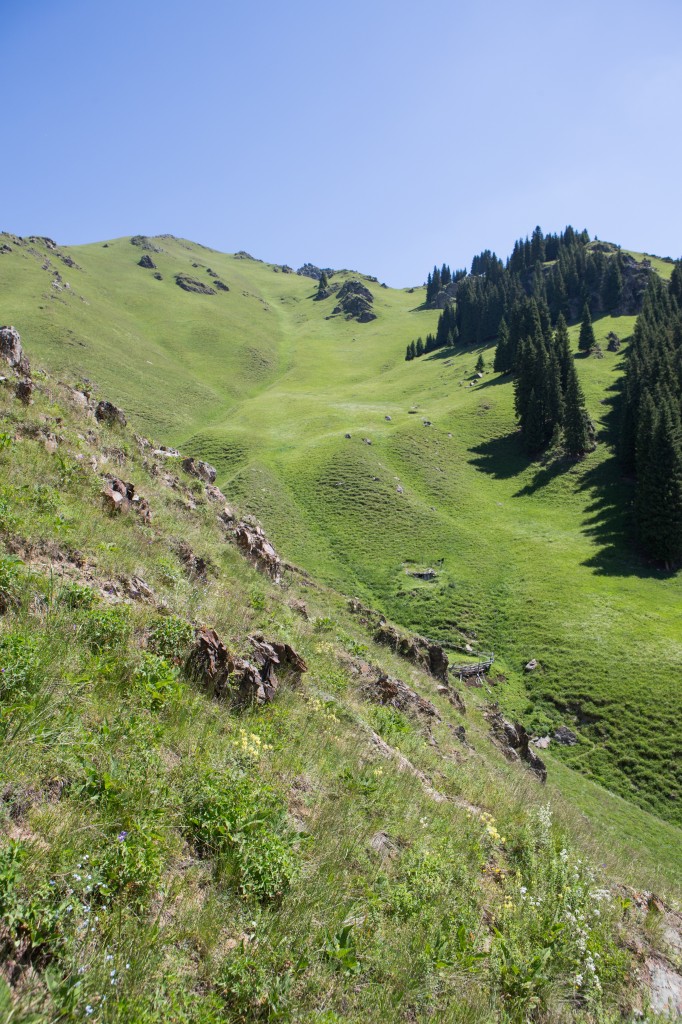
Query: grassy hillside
x,y
533,560
166,856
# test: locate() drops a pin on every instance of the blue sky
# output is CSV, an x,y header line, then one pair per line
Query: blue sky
x,y
381,136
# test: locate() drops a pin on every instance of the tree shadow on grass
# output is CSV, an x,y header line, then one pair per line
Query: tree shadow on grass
x,y
501,457
609,522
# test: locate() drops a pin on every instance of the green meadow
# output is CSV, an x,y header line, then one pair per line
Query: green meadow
x,y
532,559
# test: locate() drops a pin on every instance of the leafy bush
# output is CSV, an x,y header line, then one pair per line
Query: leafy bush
x,y
76,595
171,638
243,823
19,665
252,988
10,582
156,680
106,629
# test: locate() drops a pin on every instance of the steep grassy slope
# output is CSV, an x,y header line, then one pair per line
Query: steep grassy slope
x,y
165,856
533,560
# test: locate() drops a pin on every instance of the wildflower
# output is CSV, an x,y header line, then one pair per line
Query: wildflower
x,y
121,836
578,980
88,1010
109,956
523,890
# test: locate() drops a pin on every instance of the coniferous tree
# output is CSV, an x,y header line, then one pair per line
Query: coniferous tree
x,y
419,348
586,339
612,284
409,355
578,433
480,364
413,350
562,347
503,362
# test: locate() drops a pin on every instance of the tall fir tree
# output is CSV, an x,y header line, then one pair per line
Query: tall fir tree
x,y
578,437
586,339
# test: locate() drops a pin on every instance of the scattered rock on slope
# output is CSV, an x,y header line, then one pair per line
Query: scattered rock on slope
x,y
202,470
310,270
355,302
11,350
144,243
107,412
190,284
513,741
227,674
147,262
417,649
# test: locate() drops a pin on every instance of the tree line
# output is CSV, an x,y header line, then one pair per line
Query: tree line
x,y
651,420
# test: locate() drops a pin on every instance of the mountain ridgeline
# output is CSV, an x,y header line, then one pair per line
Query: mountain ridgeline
x,y
525,305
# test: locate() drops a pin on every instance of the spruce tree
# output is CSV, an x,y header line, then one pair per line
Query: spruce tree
x,y
577,432
612,284
480,364
502,363
586,340
409,354
413,350
420,348
562,347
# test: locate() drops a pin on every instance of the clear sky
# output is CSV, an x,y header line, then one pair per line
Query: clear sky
x,y
381,135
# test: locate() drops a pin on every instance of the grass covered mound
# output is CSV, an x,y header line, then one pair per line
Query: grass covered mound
x,y
165,855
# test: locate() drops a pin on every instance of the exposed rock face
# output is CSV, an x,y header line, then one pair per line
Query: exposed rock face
x,y
380,688
120,496
190,284
147,262
221,286
310,270
197,566
144,243
565,736
258,549
106,412
11,350
416,649
23,389
226,674
202,470
355,302
513,741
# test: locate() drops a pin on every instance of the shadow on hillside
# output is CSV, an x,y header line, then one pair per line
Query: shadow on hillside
x,y
609,522
494,382
548,472
502,457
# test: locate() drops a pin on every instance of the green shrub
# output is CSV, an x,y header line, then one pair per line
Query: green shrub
x,y
243,823
19,665
10,582
106,629
156,680
171,638
76,595
252,988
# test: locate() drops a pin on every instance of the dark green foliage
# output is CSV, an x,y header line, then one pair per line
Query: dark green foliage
x,y
612,285
171,638
480,364
586,339
651,436
503,362
419,348
578,429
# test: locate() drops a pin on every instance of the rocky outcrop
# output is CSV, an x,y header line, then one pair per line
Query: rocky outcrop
x,y
107,412
120,496
258,549
565,736
190,284
310,270
221,286
147,262
227,675
11,349
201,470
513,741
416,649
142,242
197,566
23,390
355,302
